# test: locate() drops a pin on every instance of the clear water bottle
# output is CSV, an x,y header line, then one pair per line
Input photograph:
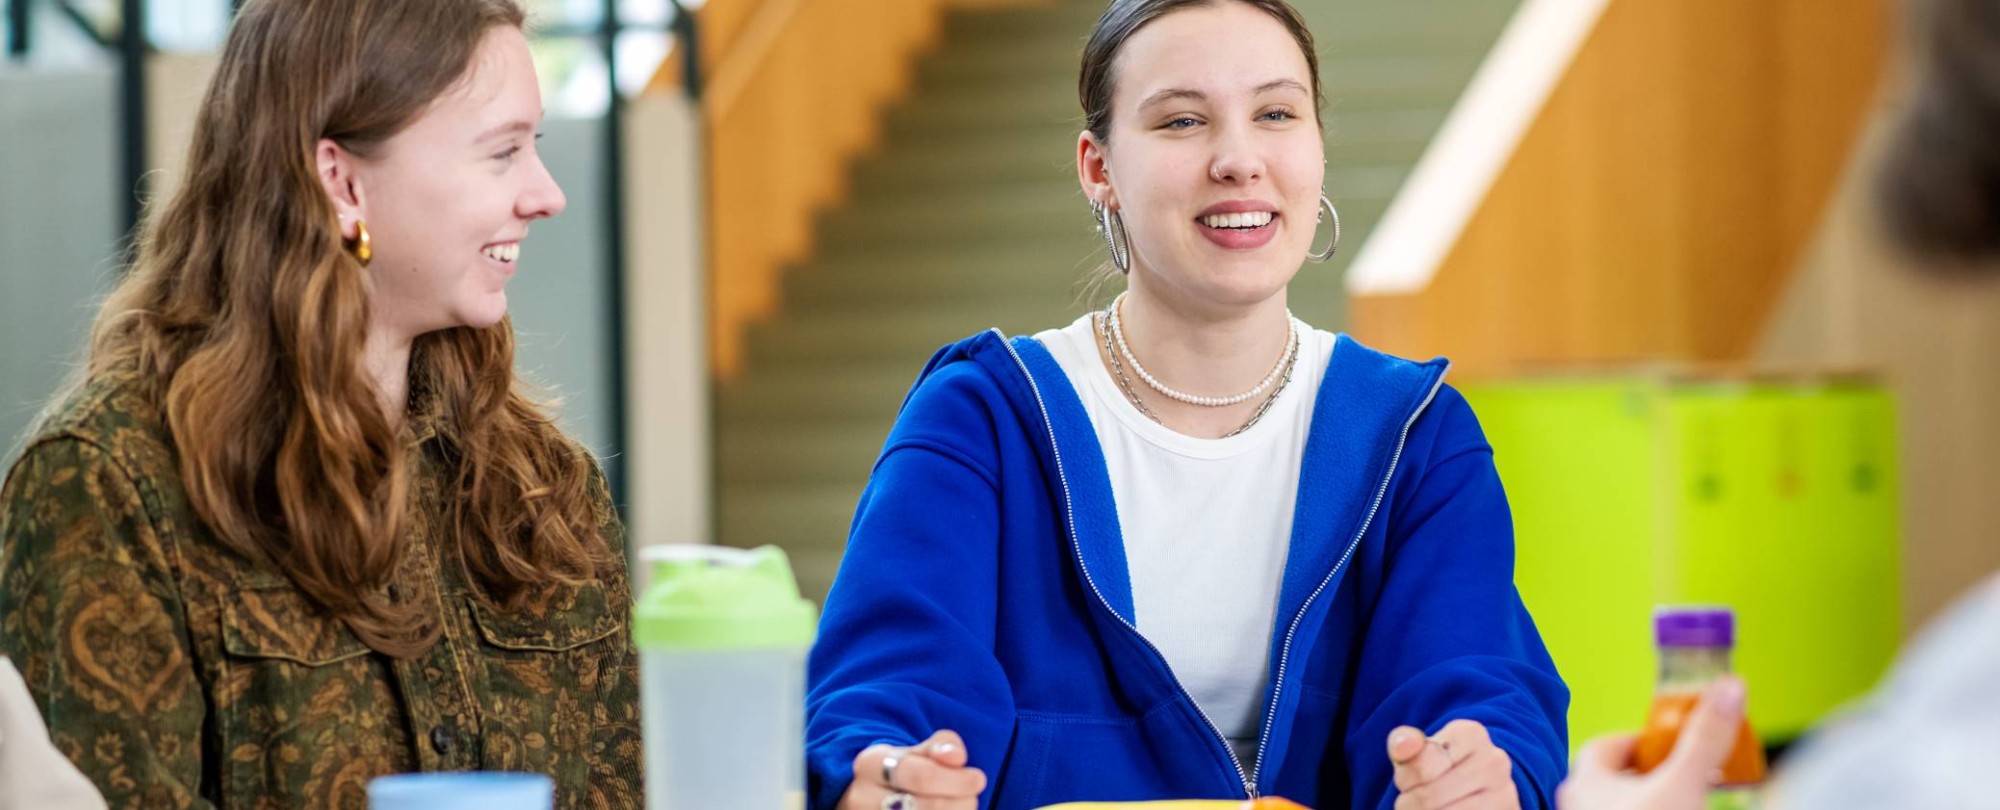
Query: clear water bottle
x,y
722,636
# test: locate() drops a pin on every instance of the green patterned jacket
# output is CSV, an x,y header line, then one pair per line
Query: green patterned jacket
x,y
178,673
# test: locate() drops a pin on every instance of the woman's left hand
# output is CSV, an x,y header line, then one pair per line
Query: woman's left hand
x,y
1460,768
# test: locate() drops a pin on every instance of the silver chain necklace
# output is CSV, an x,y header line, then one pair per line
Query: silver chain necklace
x,y
1100,323
1284,359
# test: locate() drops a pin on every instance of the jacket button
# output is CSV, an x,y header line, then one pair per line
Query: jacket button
x,y
442,740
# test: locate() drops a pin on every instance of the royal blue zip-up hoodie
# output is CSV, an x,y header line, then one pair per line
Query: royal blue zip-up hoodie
x,y
984,590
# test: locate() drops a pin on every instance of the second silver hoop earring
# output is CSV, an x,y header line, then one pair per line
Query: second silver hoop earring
x,y
1327,212
1112,226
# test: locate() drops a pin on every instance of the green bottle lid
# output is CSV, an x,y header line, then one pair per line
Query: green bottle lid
x,y
720,598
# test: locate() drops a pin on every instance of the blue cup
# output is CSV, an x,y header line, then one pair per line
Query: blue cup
x,y
462,791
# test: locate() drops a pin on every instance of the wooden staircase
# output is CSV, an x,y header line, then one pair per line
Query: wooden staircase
x,y
969,216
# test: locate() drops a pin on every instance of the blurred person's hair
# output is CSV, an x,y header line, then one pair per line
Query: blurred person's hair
x,y
1123,18
245,318
1939,187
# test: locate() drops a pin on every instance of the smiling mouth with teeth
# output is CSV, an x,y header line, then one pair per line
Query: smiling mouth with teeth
x,y
503,253
1246,221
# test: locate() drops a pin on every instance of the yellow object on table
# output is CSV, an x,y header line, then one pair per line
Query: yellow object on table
x,y
1184,804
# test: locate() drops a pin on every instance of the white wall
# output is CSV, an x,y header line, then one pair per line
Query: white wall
x,y
668,385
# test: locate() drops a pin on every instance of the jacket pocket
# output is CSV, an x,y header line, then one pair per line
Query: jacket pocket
x,y
561,691
1080,758
300,705
567,617
280,623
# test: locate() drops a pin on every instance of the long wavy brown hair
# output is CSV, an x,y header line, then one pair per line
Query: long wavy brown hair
x,y
247,315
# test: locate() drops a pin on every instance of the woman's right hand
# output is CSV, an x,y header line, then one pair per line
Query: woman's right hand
x,y
933,776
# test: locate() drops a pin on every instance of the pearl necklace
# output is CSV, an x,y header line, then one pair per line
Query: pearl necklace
x,y
1100,324
1277,370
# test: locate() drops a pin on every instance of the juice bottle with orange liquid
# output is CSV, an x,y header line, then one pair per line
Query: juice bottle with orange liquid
x,y
1694,645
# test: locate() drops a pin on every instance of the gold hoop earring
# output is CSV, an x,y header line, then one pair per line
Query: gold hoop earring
x,y
360,246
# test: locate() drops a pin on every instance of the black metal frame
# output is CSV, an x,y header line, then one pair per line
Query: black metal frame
x,y
132,109
18,21
612,179
131,46
687,35
613,185
86,25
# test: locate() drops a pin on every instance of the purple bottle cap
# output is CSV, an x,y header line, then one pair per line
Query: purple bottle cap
x,y
1694,627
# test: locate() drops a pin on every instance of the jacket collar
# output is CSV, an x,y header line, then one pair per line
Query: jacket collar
x,y
1365,404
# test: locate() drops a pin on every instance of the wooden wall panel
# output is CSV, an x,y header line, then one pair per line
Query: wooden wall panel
x,y
795,89
1656,207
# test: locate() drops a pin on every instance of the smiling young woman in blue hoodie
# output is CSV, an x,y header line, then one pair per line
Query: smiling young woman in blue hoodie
x,y
1188,546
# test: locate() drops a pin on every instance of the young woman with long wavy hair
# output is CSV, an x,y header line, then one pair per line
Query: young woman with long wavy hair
x,y
297,524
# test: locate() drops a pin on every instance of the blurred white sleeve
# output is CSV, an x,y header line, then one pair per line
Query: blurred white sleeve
x,y
1929,737
33,774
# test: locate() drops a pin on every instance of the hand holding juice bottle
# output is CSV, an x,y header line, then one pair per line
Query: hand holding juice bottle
x,y
1697,750
1601,777
1694,645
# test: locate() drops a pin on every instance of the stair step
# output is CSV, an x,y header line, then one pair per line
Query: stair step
x,y
1044,187
960,70
1050,162
1409,28
948,228
850,350
1350,81
1048,250
947,202
1037,209
966,115
778,454
944,129
1027,53
1049,103
811,527
1036,21
815,514
1405,128
1002,284
827,392
1045,161
941,279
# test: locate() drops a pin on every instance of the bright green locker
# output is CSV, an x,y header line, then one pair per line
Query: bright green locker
x,y
1777,499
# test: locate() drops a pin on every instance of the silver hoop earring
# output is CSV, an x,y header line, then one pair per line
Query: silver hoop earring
x,y
1112,226
1327,211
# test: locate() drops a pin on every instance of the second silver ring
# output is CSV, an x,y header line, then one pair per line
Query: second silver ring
x,y
889,772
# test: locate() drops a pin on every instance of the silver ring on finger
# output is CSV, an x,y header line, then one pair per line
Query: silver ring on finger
x,y
1444,748
889,764
897,800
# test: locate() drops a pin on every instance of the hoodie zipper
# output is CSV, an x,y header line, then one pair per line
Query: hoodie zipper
x,y
1285,653
1069,516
